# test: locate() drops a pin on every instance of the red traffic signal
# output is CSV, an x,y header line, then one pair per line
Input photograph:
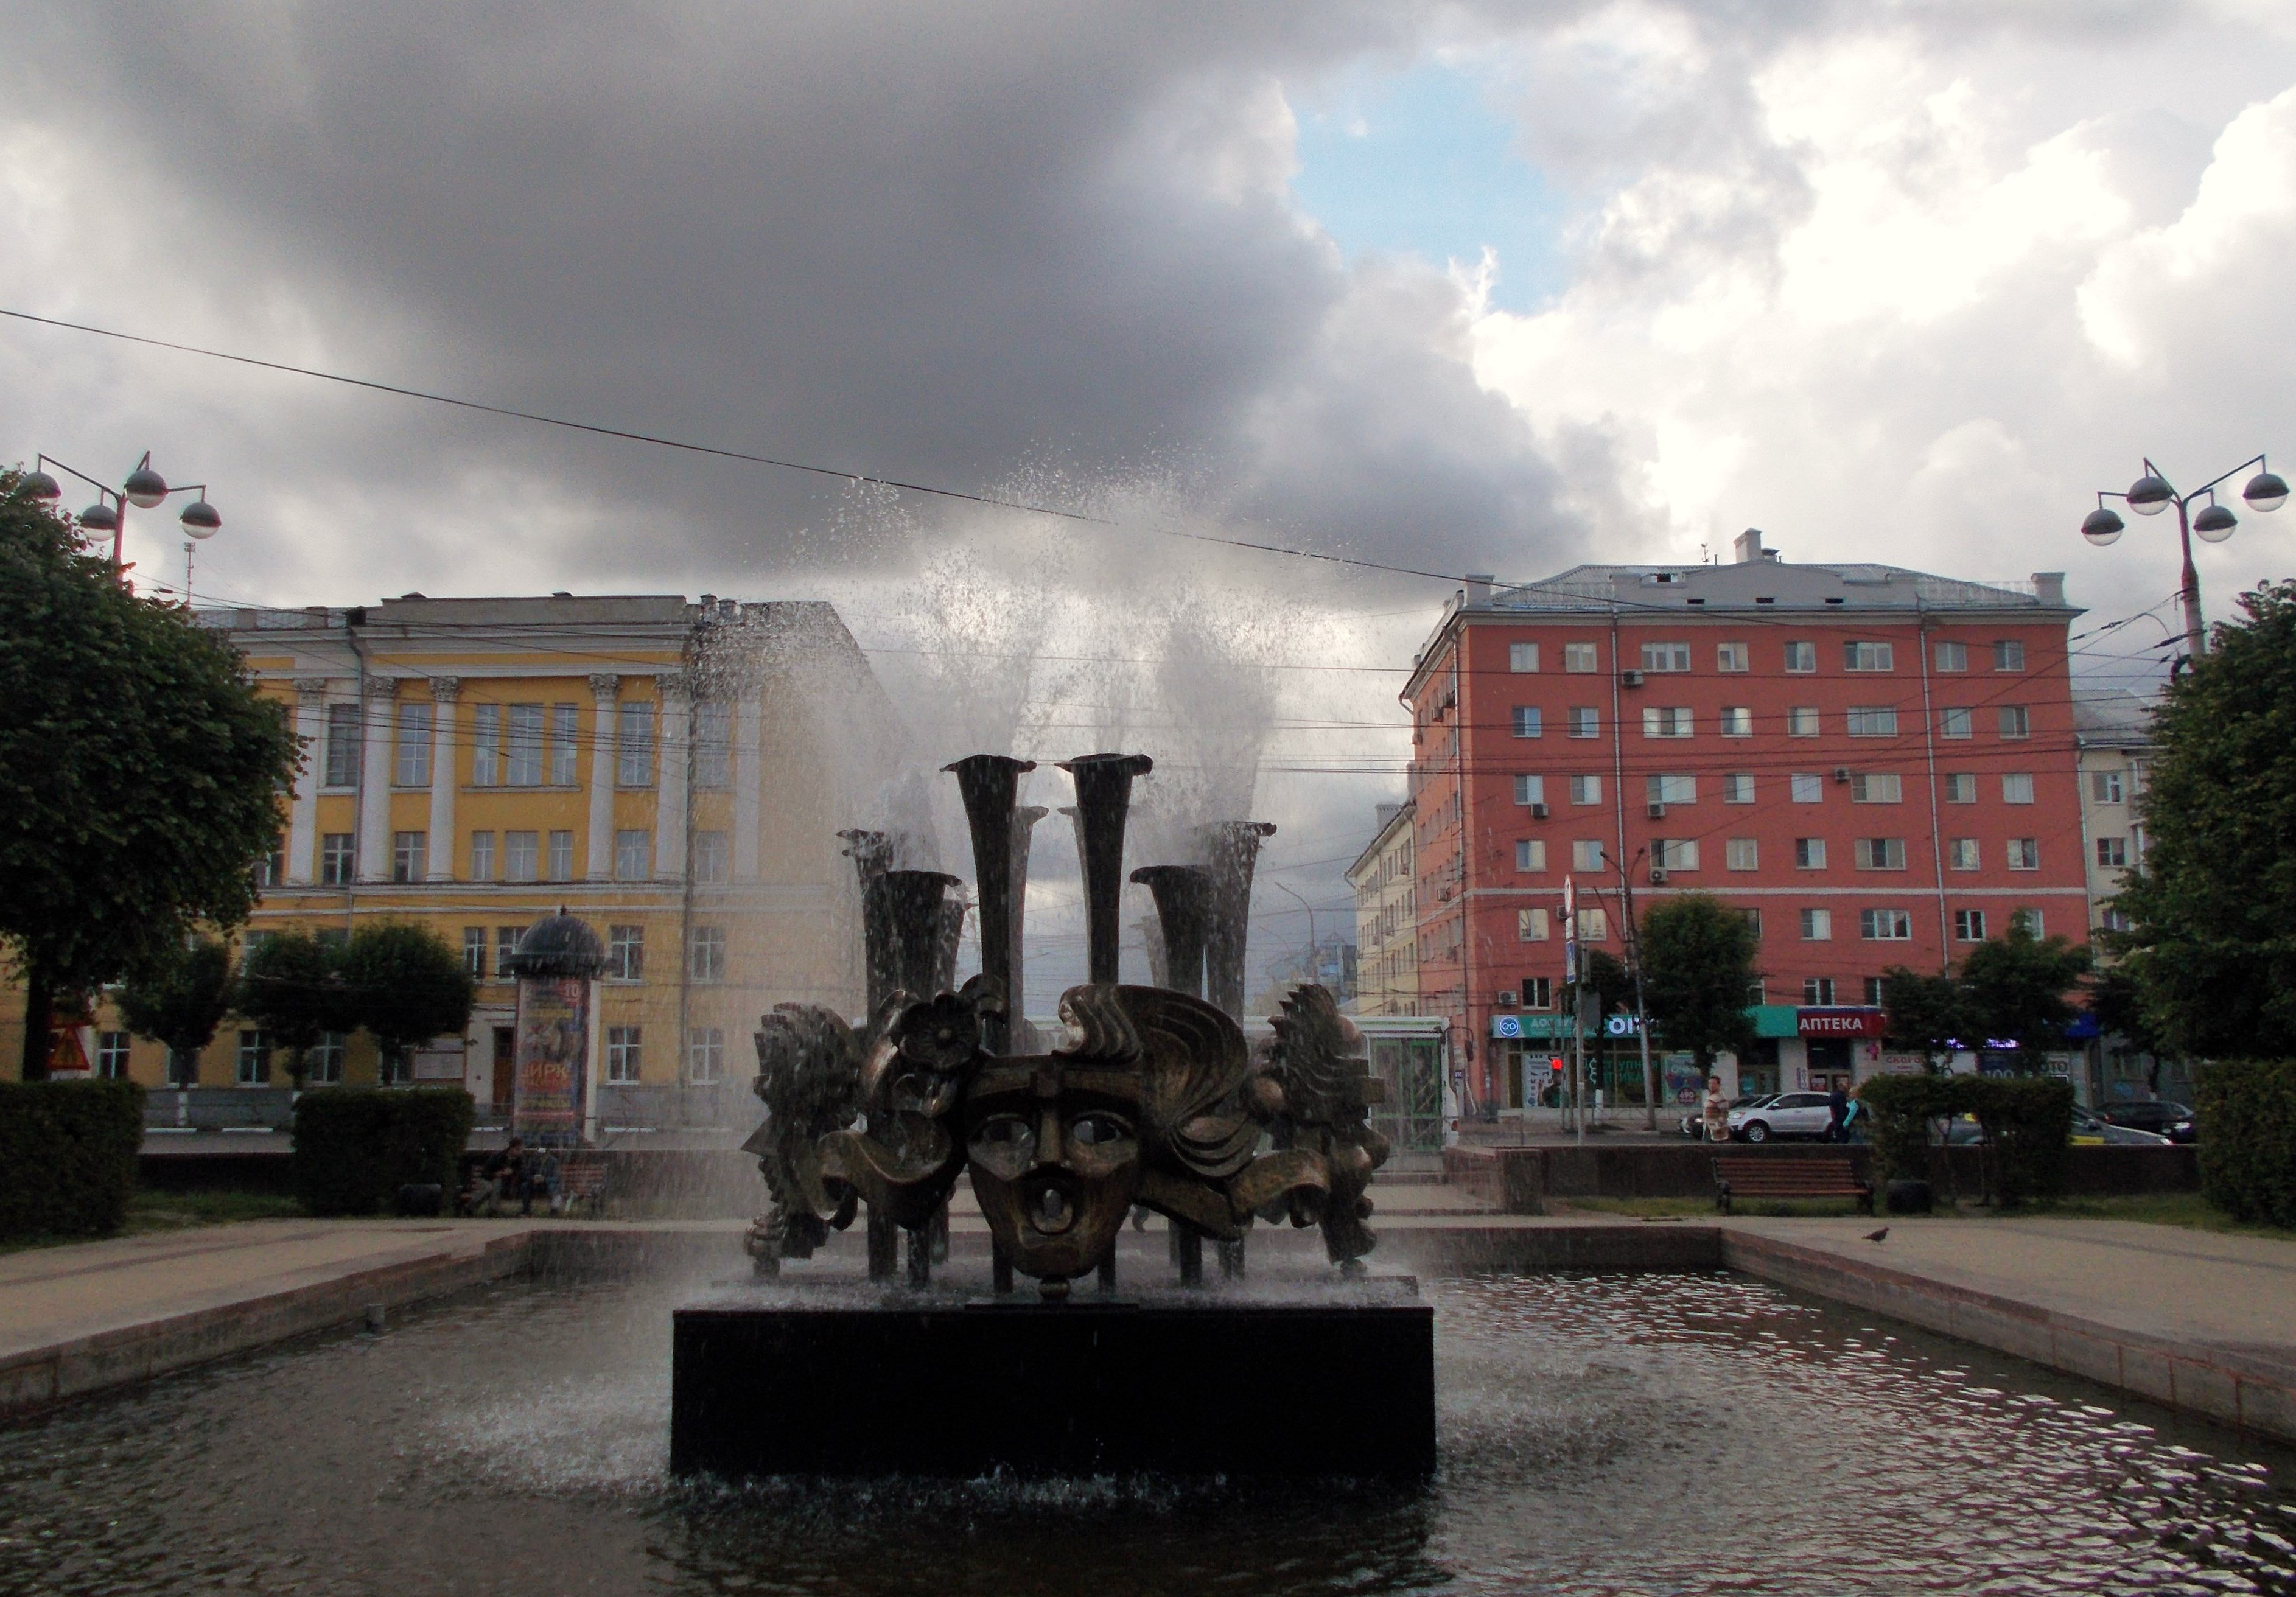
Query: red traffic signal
x,y
1555,1065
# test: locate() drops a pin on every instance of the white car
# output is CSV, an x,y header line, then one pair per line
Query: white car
x,y
1787,1115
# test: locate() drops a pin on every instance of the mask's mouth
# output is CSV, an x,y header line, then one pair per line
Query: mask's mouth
x,y
1049,1209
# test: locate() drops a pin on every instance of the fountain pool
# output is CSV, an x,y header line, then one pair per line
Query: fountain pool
x,y
1607,1434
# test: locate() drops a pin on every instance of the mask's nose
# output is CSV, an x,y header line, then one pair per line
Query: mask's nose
x,y
1051,1149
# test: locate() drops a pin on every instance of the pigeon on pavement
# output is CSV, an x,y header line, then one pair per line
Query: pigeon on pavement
x,y
1875,1236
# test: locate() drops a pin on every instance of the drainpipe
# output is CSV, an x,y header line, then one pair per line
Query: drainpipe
x,y
352,618
1466,887
683,1052
1929,751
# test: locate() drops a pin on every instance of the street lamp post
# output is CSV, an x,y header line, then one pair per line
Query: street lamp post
x,y
1303,903
144,488
2151,493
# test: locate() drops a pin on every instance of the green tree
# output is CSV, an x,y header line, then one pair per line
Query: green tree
x,y
181,1001
1924,1014
2020,988
1606,977
2211,947
2118,1002
404,985
140,771
1698,966
291,987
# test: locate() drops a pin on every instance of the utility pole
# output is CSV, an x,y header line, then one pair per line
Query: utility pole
x,y
1634,968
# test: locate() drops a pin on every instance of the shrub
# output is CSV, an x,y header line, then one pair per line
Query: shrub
x,y
2028,1122
354,1147
2247,1113
1902,1107
68,1156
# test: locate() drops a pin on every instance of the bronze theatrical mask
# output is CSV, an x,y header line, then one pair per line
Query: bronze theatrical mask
x,y
1154,1100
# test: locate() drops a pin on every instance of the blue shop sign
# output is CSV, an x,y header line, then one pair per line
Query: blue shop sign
x,y
1515,1028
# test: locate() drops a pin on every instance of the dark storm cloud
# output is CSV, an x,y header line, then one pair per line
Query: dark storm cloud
x,y
945,242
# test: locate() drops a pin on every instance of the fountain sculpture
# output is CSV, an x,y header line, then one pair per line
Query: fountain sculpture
x,y
1154,1100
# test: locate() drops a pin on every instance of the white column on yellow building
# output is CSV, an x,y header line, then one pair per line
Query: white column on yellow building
x,y
375,779
303,815
605,688
444,692
749,782
676,713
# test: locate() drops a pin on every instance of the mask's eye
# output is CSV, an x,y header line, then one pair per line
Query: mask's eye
x,y
1004,1144
1099,1127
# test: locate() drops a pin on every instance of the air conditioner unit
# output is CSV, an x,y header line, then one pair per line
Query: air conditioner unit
x,y
1658,876
1538,812
1841,772
1657,811
1633,679
1505,999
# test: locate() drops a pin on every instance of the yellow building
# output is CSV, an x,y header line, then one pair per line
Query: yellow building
x,y
1387,925
675,774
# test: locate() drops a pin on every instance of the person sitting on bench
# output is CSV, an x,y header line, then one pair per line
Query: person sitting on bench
x,y
509,1174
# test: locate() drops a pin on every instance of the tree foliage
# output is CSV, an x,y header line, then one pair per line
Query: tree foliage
x,y
2212,948
292,986
2018,989
1698,966
404,985
182,1000
1923,1014
140,771
1607,977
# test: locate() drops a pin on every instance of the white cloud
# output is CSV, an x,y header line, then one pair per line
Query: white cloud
x,y
1957,304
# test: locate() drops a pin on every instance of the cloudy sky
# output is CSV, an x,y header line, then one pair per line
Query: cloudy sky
x,y
1452,287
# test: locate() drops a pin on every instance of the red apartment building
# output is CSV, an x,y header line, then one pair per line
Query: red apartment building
x,y
1875,763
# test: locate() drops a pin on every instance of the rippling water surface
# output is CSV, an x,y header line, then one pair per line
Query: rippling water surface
x,y
1647,1434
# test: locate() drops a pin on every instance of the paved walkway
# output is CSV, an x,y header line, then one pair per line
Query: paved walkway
x,y
2227,1290
2202,1321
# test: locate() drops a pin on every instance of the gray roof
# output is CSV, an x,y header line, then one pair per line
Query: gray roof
x,y
1774,585
2112,719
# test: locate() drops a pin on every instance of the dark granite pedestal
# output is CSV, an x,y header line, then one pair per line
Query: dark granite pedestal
x,y
832,1380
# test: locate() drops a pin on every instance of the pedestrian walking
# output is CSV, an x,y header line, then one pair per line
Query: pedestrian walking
x,y
1837,1111
1716,1110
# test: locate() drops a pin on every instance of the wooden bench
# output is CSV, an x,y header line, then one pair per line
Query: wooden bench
x,y
1789,1176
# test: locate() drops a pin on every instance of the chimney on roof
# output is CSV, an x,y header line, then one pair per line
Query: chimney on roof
x,y
1749,545
1479,590
2049,589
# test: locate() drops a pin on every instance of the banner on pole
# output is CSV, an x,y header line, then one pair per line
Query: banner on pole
x,y
553,1059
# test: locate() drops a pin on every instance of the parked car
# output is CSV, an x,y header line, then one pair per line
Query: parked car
x,y
1786,1115
1693,1120
2089,1129
2156,1115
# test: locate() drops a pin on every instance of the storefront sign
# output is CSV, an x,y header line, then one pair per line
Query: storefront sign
x,y
1510,1028
1838,1023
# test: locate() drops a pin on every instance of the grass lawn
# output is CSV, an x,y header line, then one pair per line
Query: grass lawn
x,y
149,1211
2185,1209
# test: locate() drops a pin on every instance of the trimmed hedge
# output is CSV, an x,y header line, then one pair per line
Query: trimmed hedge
x,y
2028,1125
2026,1120
354,1147
68,1156
1902,1107
2247,1117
